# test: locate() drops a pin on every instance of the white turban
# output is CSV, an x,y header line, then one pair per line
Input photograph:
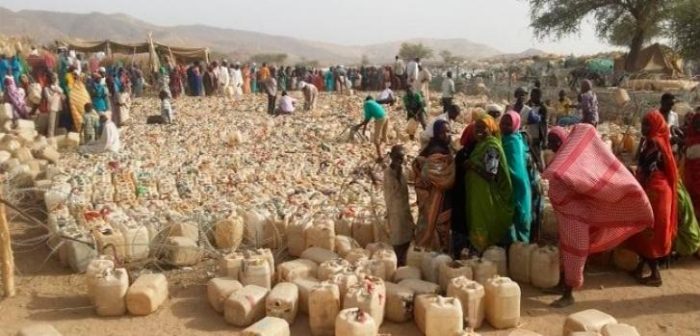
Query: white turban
x,y
302,84
494,108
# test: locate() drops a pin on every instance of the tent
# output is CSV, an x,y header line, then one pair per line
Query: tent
x,y
155,50
655,58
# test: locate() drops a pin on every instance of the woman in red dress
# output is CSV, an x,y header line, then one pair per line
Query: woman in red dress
x,y
658,175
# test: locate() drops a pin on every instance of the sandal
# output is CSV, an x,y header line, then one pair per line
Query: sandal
x,y
650,281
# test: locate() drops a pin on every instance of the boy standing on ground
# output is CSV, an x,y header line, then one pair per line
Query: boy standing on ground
x,y
398,212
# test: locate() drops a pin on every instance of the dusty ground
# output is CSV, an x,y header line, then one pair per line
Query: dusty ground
x,y
47,292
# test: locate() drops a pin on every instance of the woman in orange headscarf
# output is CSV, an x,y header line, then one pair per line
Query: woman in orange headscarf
x,y
658,175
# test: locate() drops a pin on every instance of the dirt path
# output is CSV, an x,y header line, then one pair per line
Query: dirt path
x,y
50,293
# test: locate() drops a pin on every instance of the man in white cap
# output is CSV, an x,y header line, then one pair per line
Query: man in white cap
x,y
310,92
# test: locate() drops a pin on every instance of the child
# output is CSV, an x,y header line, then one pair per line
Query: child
x,y
91,122
399,218
166,109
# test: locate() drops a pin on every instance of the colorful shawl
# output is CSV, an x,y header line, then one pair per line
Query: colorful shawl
x,y
78,98
489,203
434,177
14,98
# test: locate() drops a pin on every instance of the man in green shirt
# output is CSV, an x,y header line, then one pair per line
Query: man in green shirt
x,y
415,106
381,123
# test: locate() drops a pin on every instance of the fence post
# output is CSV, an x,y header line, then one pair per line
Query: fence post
x,y
6,257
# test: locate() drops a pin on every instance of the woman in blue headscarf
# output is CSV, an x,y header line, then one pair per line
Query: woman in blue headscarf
x,y
329,80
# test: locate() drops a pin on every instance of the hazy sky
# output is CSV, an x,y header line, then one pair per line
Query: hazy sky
x,y
502,24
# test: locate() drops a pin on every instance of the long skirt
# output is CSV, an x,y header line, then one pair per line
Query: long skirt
x,y
657,242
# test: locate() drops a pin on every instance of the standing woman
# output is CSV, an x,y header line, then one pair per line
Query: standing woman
x,y
246,79
597,201
516,156
658,175
692,160
489,188
589,104
329,80
15,98
434,170
78,98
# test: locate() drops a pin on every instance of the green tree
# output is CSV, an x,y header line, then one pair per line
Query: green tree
x,y
411,51
629,23
450,59
269,58
684,29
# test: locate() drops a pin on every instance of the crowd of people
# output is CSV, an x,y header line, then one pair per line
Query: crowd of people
x,y
489,192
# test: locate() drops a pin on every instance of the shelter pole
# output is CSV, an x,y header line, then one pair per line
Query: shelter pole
x,y
6,256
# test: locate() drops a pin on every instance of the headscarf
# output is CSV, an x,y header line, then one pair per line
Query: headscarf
x,y
468,138
435,146
660,134
515,117
586,85
491,125
13,96
559,132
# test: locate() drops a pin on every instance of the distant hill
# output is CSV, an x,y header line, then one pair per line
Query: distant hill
x,y
46,26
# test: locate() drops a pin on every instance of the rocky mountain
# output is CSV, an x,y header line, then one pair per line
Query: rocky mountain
x,y
46,27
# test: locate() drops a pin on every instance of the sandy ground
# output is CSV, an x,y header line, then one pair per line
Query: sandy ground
x,y
48,292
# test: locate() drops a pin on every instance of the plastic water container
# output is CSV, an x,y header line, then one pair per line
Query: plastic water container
x,y
146,294
269,326
455,269
414,256
283,302
136,238
39,329
497,255
264,253
344,244
621,97
523,332
370,296
471,295
324,306
245,306
230,265
390,261
332,267
296,241
406,272
305,286
430,266
109,241
181,251
318,254
321,234
355,322
625,259
371,267
587,320
228,233
544,267
254,220
620,329
78,255
96,268
256,271
275,233
483,270
219,289
343,226
502,302
584,333
421,308
443,317
345,280
519,261
184,229
57,195
356,255
420,286
399,303
110,292
294,269
363,232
